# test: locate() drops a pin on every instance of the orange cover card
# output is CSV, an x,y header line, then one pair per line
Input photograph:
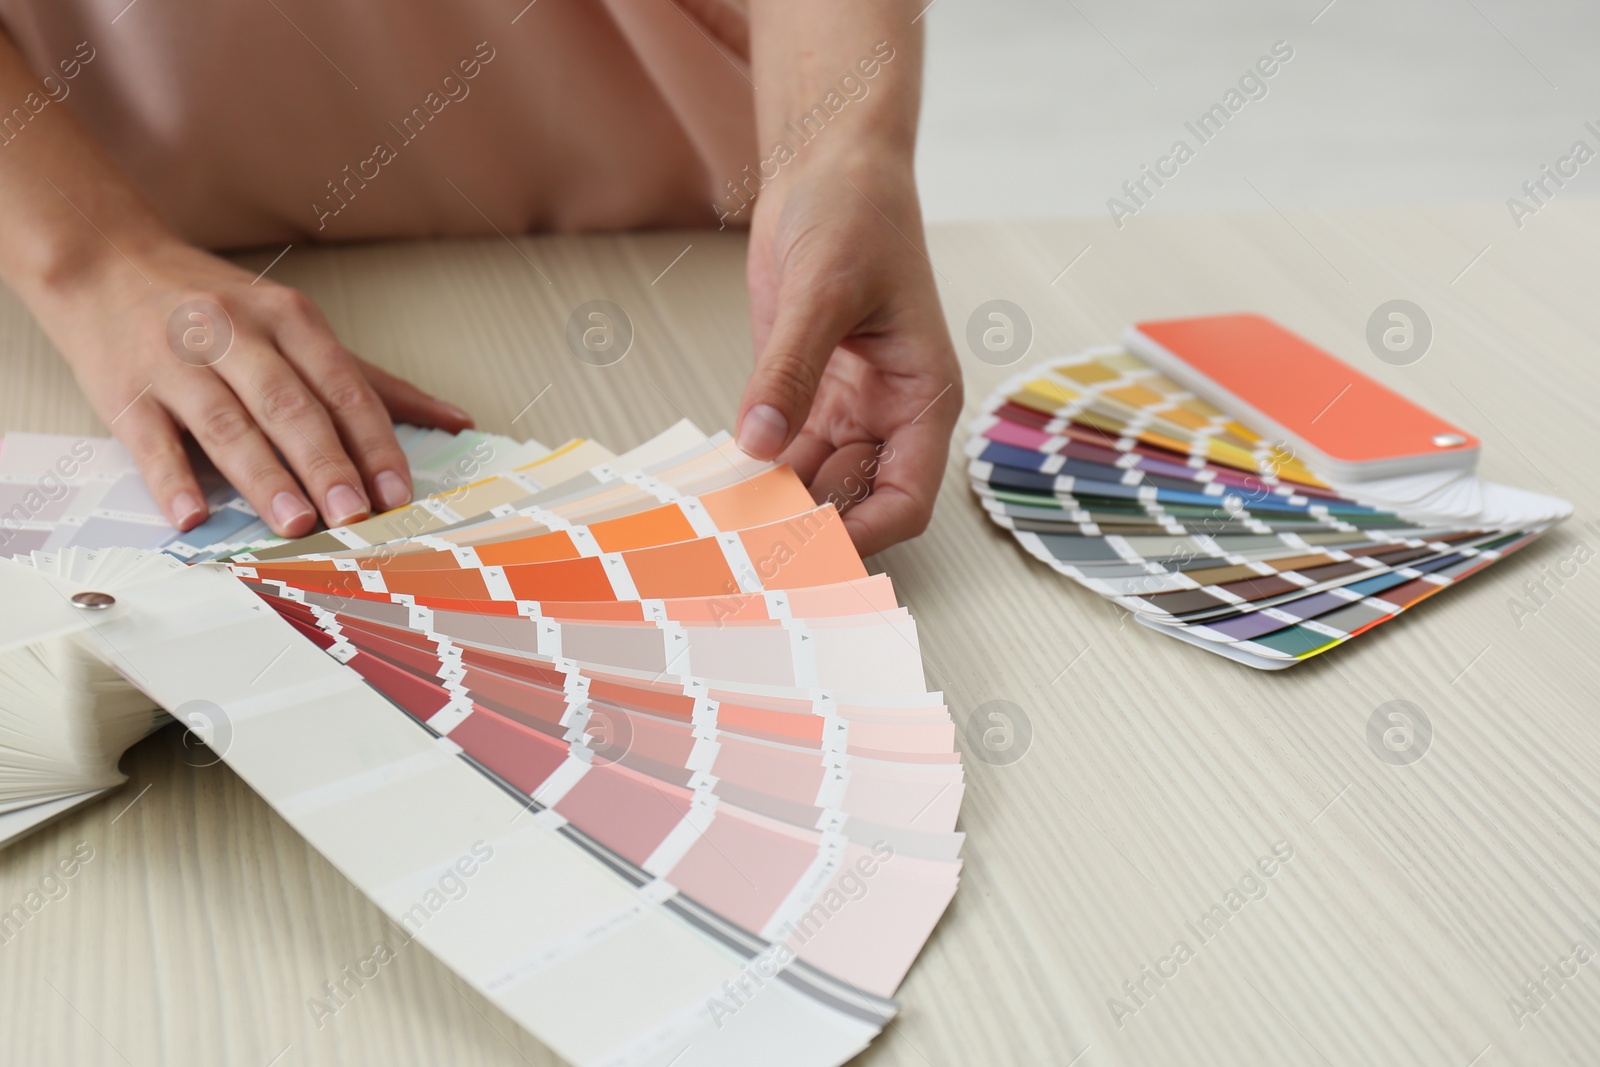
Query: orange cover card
x,y
1344,422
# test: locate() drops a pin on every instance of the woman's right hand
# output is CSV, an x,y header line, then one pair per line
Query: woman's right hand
x,y
171,339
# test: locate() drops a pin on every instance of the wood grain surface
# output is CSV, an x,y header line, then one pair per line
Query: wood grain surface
x,y
1417,906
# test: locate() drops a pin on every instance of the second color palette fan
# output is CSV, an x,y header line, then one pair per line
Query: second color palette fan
x,y
1231,485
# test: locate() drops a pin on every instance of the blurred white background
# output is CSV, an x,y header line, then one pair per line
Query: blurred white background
x,y
1038,108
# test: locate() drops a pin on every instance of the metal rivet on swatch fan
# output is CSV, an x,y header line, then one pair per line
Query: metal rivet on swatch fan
x,y
93,601
1448,440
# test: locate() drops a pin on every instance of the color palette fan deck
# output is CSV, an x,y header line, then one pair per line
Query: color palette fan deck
x,y
1132,471
651,708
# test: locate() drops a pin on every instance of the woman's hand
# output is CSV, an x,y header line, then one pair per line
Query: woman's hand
x,y
109,282
297,423
856,384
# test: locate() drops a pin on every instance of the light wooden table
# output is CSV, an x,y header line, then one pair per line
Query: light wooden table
x,y
1418,898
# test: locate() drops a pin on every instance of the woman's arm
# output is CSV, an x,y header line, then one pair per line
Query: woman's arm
x,y
109,282
856,383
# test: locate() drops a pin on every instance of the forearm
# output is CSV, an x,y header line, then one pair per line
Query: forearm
x,y
68,209
837,79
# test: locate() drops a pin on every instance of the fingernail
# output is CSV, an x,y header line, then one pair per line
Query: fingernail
x,y
288,509
344,505
763,431
188,509
392,490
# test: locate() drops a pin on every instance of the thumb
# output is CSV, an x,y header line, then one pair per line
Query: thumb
x,y
810,323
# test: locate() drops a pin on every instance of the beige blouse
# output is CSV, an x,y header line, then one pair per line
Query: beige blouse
x,y
250,122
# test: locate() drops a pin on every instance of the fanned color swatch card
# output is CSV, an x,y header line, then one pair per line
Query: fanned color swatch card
x,y
1234,486
652,705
